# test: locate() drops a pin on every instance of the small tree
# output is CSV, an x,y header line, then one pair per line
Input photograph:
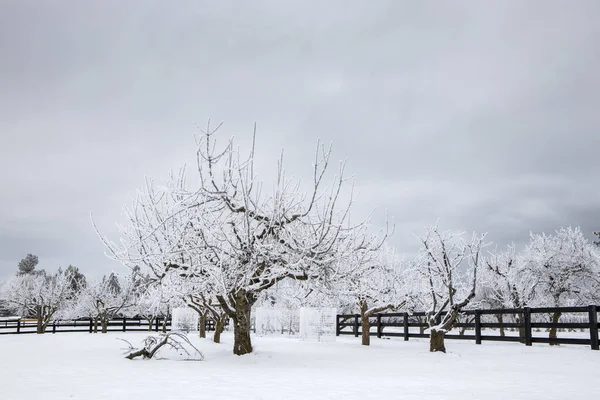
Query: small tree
x,y
39,295
105,299
562,269
78,280
447,291
506,284
374,284
150,304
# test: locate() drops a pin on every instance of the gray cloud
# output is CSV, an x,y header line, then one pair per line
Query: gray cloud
x,y
484,115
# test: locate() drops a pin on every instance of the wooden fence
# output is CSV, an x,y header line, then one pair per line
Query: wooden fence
x,y
18,326
523,322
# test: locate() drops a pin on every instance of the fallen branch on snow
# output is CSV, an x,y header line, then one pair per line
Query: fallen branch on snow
x,y
152,344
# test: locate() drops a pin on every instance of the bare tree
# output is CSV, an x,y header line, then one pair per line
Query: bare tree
x,y
375,282
150,304
232,235
562,269
39,295
506,284
445,289
105,299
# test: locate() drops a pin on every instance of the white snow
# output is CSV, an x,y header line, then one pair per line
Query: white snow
x,y
91,366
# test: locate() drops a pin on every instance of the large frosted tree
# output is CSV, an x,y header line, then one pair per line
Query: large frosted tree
x,y
236,236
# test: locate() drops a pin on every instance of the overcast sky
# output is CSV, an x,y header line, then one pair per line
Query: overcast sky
x,y
483,114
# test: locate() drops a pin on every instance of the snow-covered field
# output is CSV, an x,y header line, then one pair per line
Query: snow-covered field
x,y
86,366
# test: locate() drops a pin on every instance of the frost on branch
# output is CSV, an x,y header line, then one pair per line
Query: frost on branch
x,y
39,295
173,340
445,288
374,282
232,236
106,299
562,270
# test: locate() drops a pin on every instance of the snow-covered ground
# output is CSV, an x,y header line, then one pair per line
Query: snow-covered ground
x,y
87,366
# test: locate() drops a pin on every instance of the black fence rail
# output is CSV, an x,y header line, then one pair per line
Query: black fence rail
x,y
482,324
19,326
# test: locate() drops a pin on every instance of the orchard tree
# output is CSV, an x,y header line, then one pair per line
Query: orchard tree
x,y
445,288
562,269
105,299
232,234
39,295
78,280
506,283
150,303
375,283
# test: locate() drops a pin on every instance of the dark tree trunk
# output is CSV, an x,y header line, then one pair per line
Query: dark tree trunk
x,y
164,325
40,326
219,326
40,323
500,318
241,325
555,319
202,327
150,324
104,325
436,341
95,324
366,329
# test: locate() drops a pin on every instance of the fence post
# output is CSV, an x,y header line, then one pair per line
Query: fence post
x,y
477,327
593,317
19,325
91,324
337,325
405,326
379,326
356,325
156,324
124,324
53,326
527,325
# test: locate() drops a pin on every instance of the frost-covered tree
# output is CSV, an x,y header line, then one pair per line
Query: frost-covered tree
x,y
505,283
447,267
374,282
105,299
4,307
78,281
39,295
150,303
232,234
562,270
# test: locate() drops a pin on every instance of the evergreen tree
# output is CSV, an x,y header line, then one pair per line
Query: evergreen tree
x,y
28,264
